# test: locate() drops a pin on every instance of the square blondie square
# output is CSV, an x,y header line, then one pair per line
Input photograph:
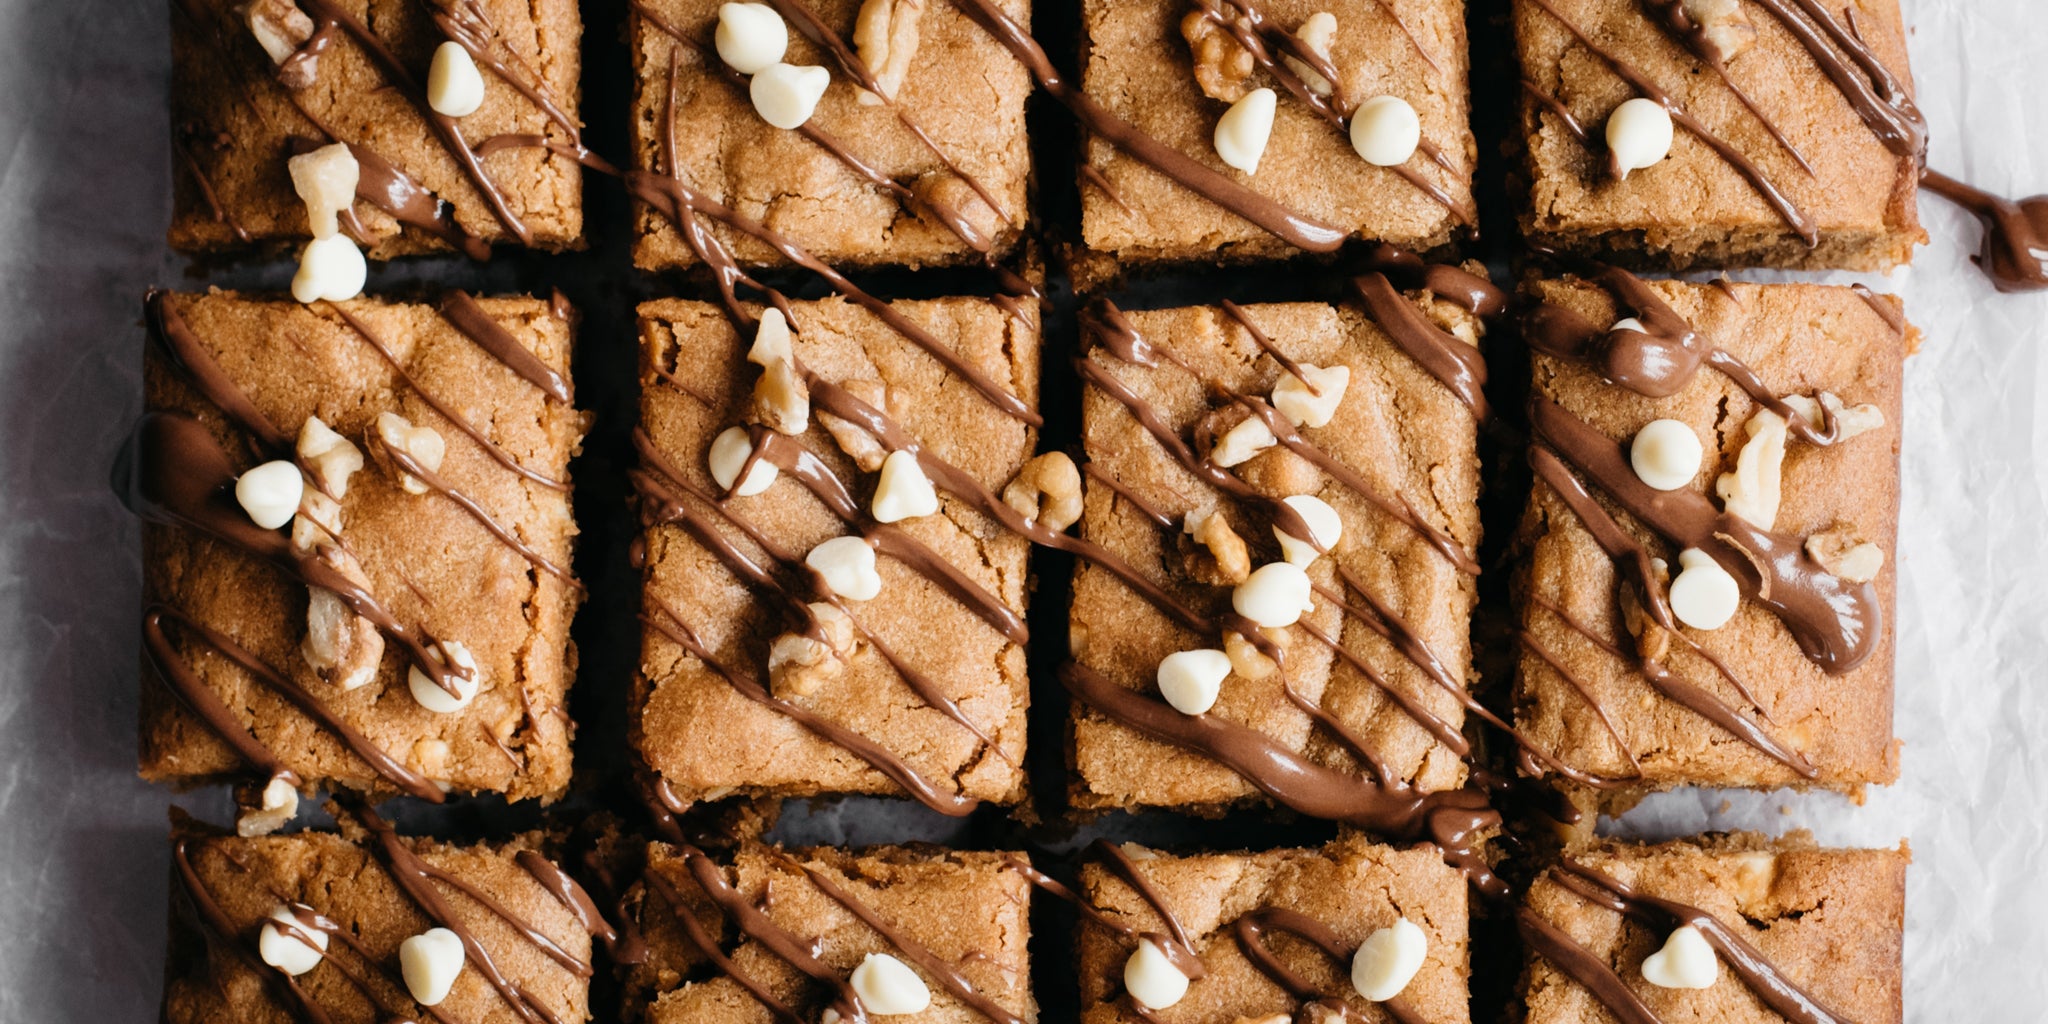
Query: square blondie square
x,y
254,84
1793,686
1799,145
762,677
1822,927
1279,906
1369,683
1171,70
725,937
432,446
336,908
939,175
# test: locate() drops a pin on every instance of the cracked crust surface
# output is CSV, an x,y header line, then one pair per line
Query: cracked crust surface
x,y
1695,209
427,560
1397,427
701,735
233,120
1353,886
342,879
1830,920
1138,65
1798,339
963,89
965,907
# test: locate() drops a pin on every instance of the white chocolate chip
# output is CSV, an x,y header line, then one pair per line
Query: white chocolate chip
x,y
1666,454
1850,420
278,803
1386,131
331,457
729,451
282,943
1191,680
848,567
1319,32
1752,491
430,962
1703,595
750,37
903,492
330,268
325,180
455,88
1047,491
1242,131
1638,135
885,35
1238,444
785,95
1304,407
270,493
1323,522
428,691
1276,594
1388,959
1686,961
1152,980
887,986
423,445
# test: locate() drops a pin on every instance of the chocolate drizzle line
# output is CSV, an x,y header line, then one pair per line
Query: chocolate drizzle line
x,y
387,187
1758,973
947,974
490,447
1173,942
177,674
172,471
1660,360
1772,195
1452,819
1456,365
1672,15
462,311
1878,97
708,947
185,354
2015,233
220,932
1251,930
1295,229
1470,292
439,484
1885,311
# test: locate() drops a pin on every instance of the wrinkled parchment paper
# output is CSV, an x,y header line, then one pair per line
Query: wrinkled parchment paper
x,y
83,204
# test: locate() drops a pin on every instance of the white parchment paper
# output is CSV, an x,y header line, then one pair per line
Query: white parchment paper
x,y
84,200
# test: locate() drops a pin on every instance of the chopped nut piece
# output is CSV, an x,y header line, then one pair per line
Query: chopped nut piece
x,y
325,180
1752,491
782,401
885,34
330,457
1726,26
854,440
1246,660
423,445
261,811
800,664
1222,67
1838,550
1850,420
1232,561
1047,491
1249,437
279,27
341,646
1319,32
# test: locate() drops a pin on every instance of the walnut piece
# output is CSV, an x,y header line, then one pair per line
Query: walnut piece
x,y
1047,491
1752,491
1725,25
801,664
1839,551
1319,32
261,810
865,450
342,647
782,401
1850,420
283,30
885,35
1246,660
423,445
1222,67
330,457
1232,561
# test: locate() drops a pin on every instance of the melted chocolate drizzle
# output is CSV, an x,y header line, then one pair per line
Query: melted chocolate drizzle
x,y
2015,251
1672,15
1251,930
1763,978
1456,365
